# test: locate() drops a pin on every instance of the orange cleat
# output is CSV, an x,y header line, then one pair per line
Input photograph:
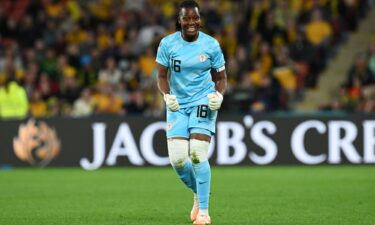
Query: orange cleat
x,y
202,219
194,210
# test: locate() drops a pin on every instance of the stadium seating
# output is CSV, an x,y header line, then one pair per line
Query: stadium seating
x,y
357,93
79,58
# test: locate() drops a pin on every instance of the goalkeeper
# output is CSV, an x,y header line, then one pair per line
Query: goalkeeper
x,y
185,60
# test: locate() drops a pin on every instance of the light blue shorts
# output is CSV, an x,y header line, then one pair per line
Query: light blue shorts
x,y
192,120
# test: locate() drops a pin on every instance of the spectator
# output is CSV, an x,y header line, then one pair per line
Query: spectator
x,y
107,102
319,34
360,71
75,38
318,31
86,75
285,74
31,75
69,90
46,86
38,107
84,105
369,99
350,13
13,100
111,74
302,52
137,103
147,63
270,31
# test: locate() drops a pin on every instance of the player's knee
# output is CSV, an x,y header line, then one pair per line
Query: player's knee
x,y
198,150
178,151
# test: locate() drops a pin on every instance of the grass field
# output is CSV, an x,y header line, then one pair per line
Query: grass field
x,y
343,195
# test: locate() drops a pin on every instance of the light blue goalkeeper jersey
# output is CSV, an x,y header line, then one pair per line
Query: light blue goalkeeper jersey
x,y
190,65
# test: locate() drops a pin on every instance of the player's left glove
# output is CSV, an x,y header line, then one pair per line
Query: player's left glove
x,y
215,100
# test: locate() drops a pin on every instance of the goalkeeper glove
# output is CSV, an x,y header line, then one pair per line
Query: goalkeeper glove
x,y
215,100
171,102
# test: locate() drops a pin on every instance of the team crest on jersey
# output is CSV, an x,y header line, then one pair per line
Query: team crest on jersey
x,y
202,57
169,126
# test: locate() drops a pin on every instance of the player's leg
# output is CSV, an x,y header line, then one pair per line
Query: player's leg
x,y
178,151
199,145
178,147
202,126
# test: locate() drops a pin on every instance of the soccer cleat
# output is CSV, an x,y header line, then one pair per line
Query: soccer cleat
x,y
194,210
202,219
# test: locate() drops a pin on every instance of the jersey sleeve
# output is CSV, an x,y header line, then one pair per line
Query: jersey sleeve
x,y
162,56
217,56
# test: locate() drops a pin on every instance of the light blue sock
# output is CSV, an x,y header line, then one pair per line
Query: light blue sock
x,y
187,175
203,176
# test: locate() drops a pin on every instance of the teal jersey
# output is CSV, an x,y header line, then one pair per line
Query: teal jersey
x,y
190,65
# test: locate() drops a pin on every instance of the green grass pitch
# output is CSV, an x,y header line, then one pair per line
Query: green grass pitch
x,y
342,195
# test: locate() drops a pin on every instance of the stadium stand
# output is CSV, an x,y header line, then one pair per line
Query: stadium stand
x,y
78,58
357,92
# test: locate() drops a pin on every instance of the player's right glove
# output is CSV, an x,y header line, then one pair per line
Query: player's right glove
x,y
171,102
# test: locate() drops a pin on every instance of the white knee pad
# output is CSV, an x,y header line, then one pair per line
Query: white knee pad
x,y
198,150
178,151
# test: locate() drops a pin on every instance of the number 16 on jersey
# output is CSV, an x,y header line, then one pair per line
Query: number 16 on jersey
x,y
176,65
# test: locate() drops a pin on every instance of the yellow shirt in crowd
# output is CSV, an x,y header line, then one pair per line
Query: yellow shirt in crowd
x,y
318,31
108,103
13,101
38,109
286,77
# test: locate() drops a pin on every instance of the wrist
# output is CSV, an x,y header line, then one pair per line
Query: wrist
x,y
165,96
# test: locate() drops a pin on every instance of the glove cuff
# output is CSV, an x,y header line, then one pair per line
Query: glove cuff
x,y
165,96
219,95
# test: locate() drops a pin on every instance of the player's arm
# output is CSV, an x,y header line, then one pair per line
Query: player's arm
x,y
221,81
218,64
163,84
215,99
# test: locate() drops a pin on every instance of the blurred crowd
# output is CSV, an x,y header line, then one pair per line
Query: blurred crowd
x,y
79,58
357,93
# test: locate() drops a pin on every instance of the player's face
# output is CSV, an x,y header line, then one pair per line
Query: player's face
x,y
190,21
